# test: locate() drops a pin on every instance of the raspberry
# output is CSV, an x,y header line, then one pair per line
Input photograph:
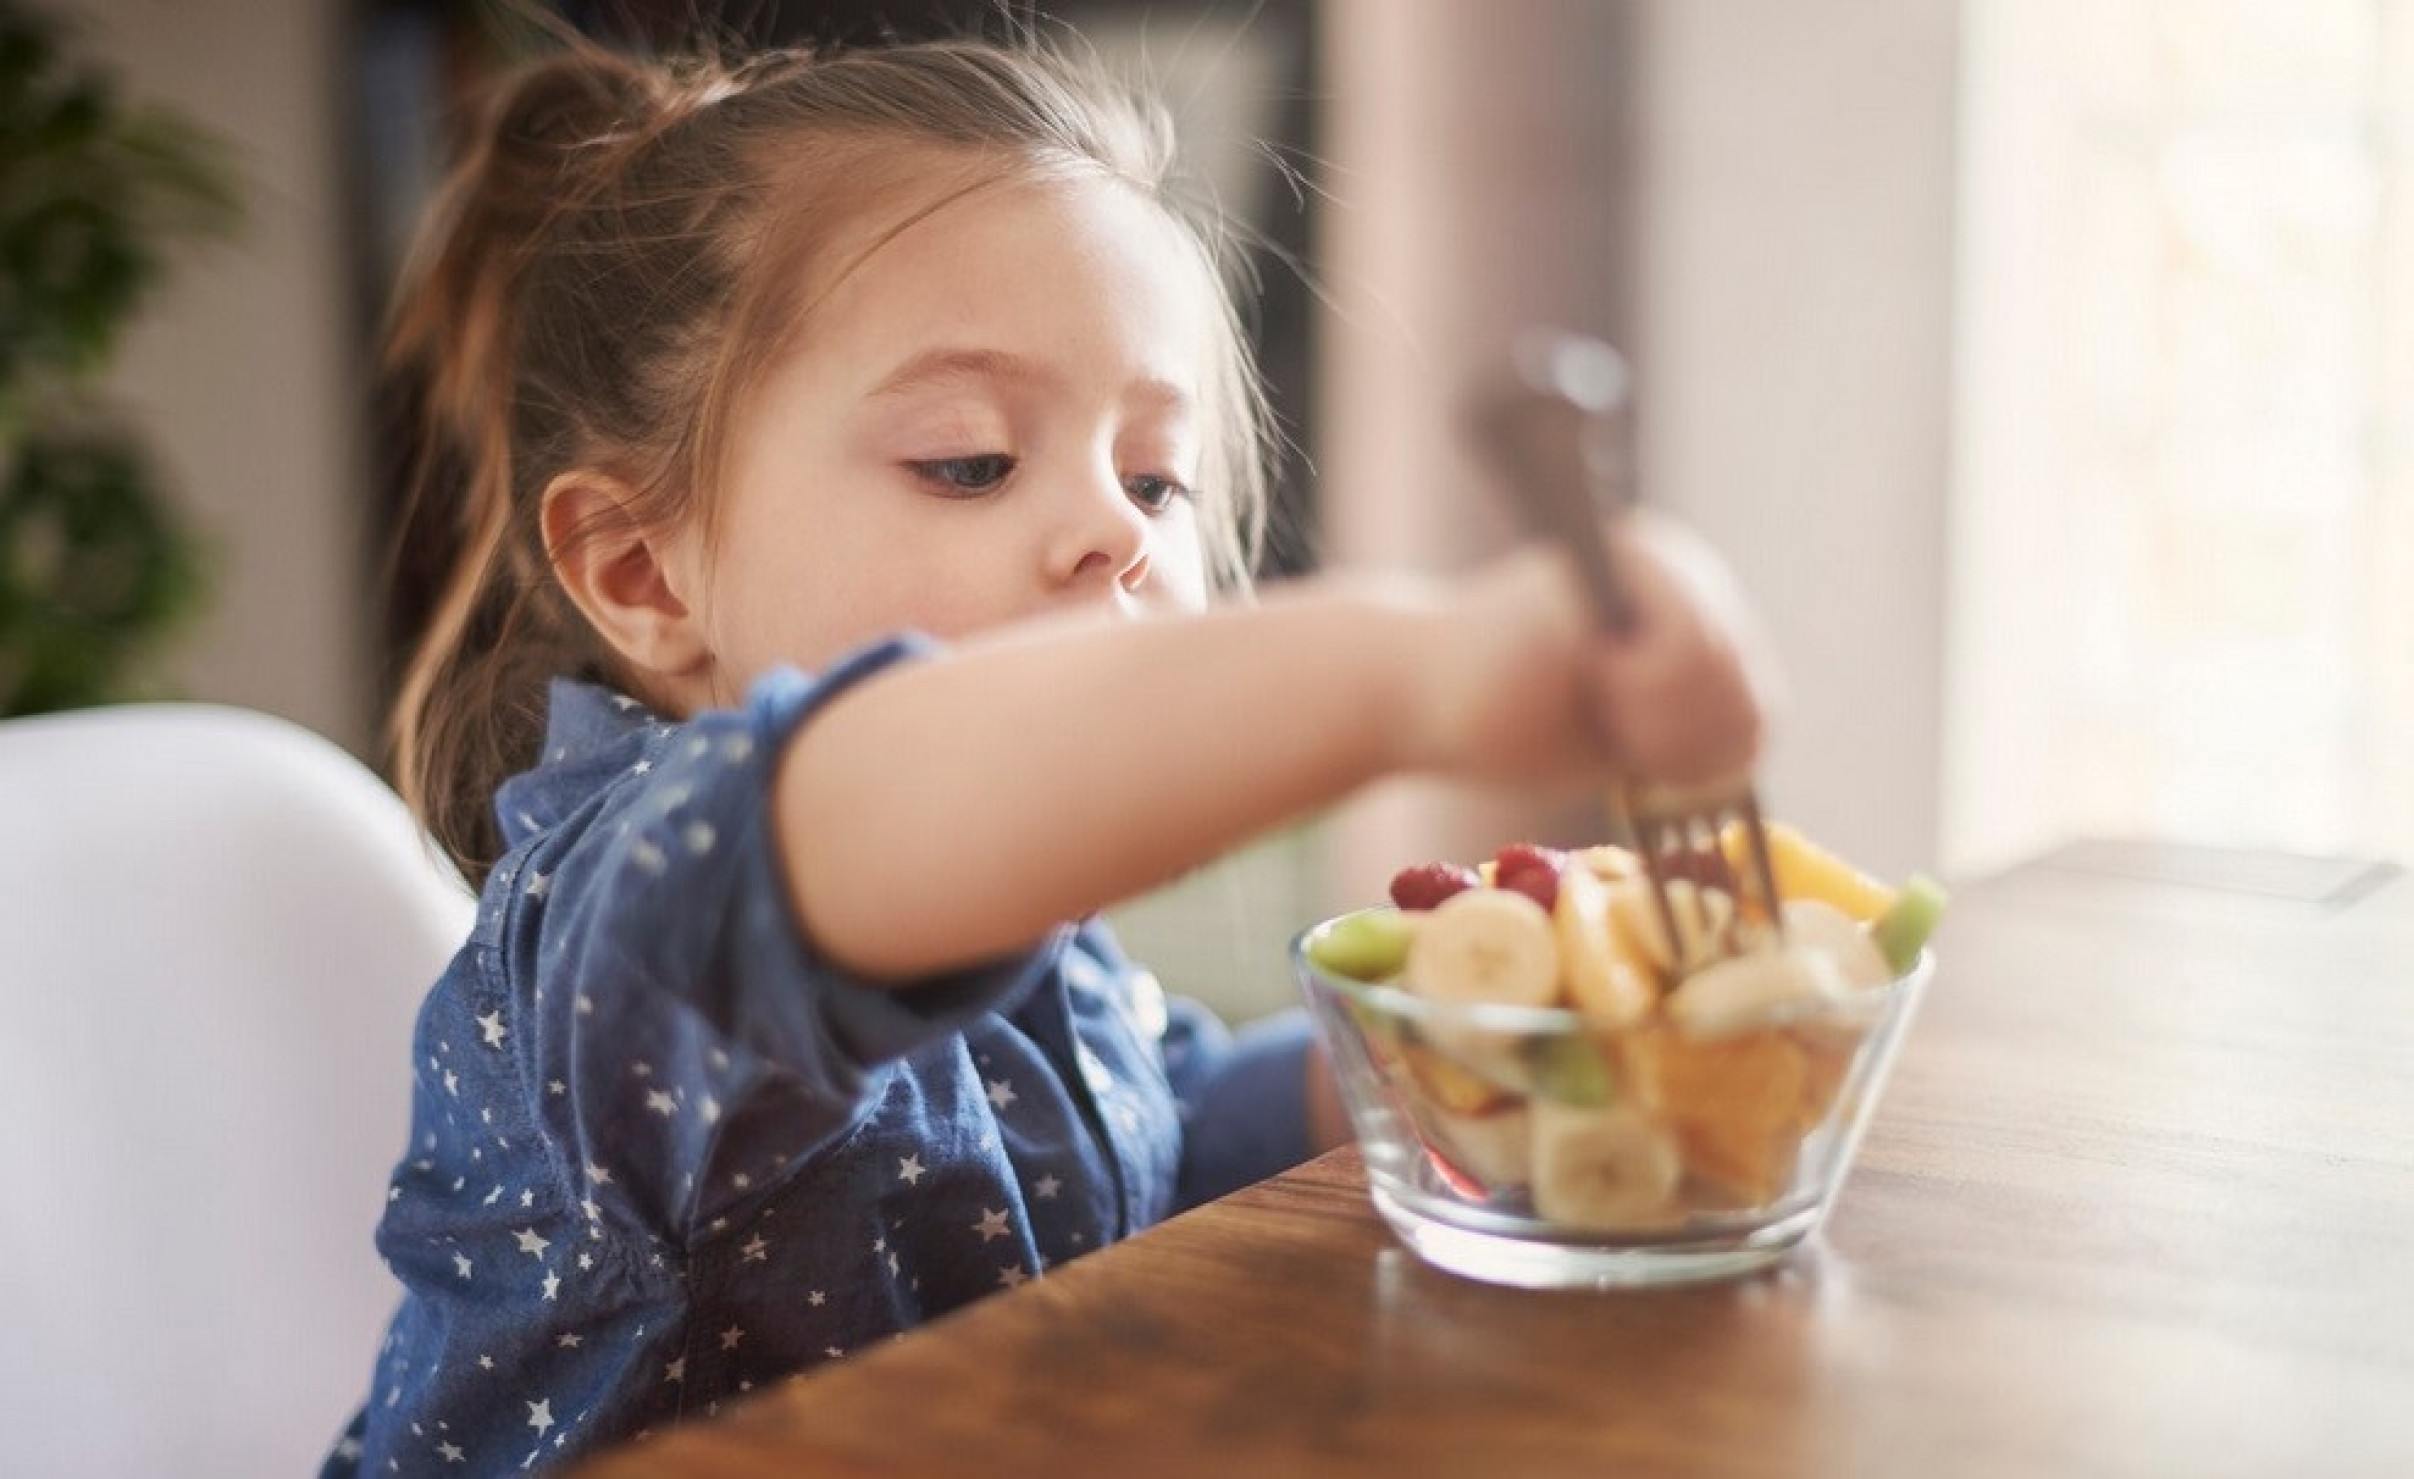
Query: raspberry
x,y
1427,884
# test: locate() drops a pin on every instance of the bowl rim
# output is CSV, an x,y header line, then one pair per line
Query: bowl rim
x,y
1504,1017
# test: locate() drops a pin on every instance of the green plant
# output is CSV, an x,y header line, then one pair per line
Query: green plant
x,y
94,566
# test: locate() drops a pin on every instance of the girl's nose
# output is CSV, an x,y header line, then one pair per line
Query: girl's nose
x,y
1102,539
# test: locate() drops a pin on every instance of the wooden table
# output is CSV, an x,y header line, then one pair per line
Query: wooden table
x,y
2140,1201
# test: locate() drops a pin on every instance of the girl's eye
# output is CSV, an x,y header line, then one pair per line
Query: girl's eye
x,y
1153,493
965,476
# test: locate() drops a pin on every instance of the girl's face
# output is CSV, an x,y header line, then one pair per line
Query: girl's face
x,y
996,414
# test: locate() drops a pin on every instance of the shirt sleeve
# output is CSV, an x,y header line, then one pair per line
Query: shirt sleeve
x,y
1243,1097
692,1023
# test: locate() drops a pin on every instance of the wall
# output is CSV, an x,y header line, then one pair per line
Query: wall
x,y
241,370
1795,311
1755,198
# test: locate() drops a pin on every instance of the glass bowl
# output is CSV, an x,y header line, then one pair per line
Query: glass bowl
x,y
1530,1146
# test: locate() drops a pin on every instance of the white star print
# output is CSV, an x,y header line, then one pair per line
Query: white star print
x,y
599,1176
585,1262
540,1415
737,747
623,702
587,1205
717,1058
1011,1276
553,1285
556,1088
539,884
348,1448
817,1299
646,857
486,1363
832,1352
661,1103
1001,1093
699,837
461,1264
641,1068
676,1371
528,1197
892,1265
459,1182
991,1225
586,1005
449,1453
641,767
1045,1188
568,1342
486,1116
393,1193
452,1083
755,1251
731,1337
493,1197
491,1027
909,1170
531,1242
741,1180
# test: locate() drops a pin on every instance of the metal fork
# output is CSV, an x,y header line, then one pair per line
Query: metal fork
x,y
1554,427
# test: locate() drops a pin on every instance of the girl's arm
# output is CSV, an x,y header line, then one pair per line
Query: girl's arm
x,y
957,809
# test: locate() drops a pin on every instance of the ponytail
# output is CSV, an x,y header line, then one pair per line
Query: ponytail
x,y
471,703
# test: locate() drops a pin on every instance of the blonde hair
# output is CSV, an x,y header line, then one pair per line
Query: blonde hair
x,y
603,279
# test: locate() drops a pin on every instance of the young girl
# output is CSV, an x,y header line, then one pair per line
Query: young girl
x,y
833,456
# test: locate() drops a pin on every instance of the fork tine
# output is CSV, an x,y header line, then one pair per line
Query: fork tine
x,y
1715,865
1764,873
1698,870
1650,842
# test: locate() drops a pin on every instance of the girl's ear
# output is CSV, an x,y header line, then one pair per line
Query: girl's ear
x,y
621,576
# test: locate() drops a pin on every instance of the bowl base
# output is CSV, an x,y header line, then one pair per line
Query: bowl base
x,y
1526,1263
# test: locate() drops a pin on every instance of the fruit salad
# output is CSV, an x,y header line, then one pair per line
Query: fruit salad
x,y
1680,1073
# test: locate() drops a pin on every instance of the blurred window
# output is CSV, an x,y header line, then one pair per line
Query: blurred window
x,y
2183,583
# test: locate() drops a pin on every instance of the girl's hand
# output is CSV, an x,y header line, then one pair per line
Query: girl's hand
x,y
1522,685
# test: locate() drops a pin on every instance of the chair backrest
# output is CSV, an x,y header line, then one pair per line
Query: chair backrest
x,y
215,928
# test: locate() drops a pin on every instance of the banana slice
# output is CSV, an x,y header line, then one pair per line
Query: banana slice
x,y
1731,996
1601,1167
1819,926
1638,917
1611,863
1487,944
1600,980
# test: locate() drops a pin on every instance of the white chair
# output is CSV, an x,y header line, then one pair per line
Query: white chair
x,y
215,928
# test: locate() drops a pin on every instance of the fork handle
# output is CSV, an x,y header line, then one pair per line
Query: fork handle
x,y
1544,424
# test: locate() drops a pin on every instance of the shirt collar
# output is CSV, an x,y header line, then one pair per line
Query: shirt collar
x,y
593,734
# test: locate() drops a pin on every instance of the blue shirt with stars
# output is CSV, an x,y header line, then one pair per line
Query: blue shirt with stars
x,y
662,1152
